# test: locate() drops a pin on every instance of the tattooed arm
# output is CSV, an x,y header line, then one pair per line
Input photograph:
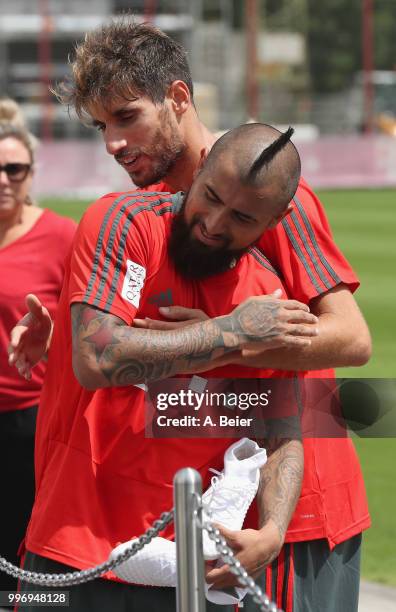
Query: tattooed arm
x,y
280,486
279,490
344,338
109,353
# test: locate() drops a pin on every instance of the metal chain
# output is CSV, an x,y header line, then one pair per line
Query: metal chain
x,y
227,555
78,577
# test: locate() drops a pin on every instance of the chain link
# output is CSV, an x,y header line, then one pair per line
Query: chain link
x,y
78,577
227,555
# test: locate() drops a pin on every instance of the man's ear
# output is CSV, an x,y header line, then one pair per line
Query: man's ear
x,y
202,159
275,220
179,96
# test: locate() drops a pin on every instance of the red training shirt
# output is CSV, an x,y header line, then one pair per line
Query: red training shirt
x,y
34,263
333,502
99,480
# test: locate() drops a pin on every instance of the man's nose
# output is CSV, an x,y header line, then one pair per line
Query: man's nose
x,y
215,222
114,141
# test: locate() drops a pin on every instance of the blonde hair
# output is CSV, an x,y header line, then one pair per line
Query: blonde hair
x,y
11,112
13,125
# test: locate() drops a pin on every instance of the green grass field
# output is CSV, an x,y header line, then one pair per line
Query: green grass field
x,y
364,226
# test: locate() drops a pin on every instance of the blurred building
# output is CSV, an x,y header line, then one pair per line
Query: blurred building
x,y
37,36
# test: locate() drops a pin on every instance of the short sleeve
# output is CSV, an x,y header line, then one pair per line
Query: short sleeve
x,y
303,250
110,257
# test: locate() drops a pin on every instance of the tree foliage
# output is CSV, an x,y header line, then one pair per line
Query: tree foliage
x,y
333,29
335,40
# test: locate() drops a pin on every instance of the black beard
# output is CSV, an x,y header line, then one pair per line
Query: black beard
x,y
194,260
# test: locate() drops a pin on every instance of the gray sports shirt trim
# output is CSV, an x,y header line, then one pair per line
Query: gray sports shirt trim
x,y
99,244
147,205
258,256
311,233
122,245
301,255
307,246
315,255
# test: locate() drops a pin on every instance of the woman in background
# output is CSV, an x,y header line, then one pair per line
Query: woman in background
x,y
33,245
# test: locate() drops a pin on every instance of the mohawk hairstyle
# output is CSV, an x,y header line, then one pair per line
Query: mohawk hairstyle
x,y
269,153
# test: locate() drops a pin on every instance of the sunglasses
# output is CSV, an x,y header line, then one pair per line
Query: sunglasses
x,y
16,172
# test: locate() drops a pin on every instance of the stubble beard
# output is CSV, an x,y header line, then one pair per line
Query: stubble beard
x,y
165,151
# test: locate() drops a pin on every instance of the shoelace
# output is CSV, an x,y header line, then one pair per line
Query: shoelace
x,y
223,496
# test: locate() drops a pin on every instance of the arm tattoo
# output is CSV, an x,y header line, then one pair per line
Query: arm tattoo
x,y
254,320
126,356
280,482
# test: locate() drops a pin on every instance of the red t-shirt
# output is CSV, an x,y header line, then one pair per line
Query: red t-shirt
x,y
119,264
99,479
33,263
333,502
303,249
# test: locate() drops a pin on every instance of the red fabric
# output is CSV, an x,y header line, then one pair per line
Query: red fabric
x,y
34,263
333,502
279,579
313,264
99,480
290,582
268,582
158,188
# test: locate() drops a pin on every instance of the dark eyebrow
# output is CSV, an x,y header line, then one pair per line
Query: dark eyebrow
x,y
216,197
124,111
118,113
213,193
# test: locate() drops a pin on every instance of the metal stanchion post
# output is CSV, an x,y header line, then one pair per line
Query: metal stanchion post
x,y
190,564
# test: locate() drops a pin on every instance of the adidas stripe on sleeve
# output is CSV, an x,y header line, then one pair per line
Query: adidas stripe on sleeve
x,y
114,252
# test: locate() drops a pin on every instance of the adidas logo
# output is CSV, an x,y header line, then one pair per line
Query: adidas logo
x,y
164,298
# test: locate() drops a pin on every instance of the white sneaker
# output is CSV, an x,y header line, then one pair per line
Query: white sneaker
x,y
227,500
224,597
154,565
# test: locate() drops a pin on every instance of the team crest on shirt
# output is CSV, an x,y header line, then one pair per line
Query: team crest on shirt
x,y
133,283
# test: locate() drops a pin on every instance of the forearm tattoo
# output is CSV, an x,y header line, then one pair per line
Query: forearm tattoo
x,y
126,356
254,320
280,483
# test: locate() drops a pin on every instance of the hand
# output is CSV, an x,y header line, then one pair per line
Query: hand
x,y
266,322
255,549
30,338
180,316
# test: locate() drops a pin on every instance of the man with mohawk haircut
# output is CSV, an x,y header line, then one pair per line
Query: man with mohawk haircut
x,y
100,481
222,216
